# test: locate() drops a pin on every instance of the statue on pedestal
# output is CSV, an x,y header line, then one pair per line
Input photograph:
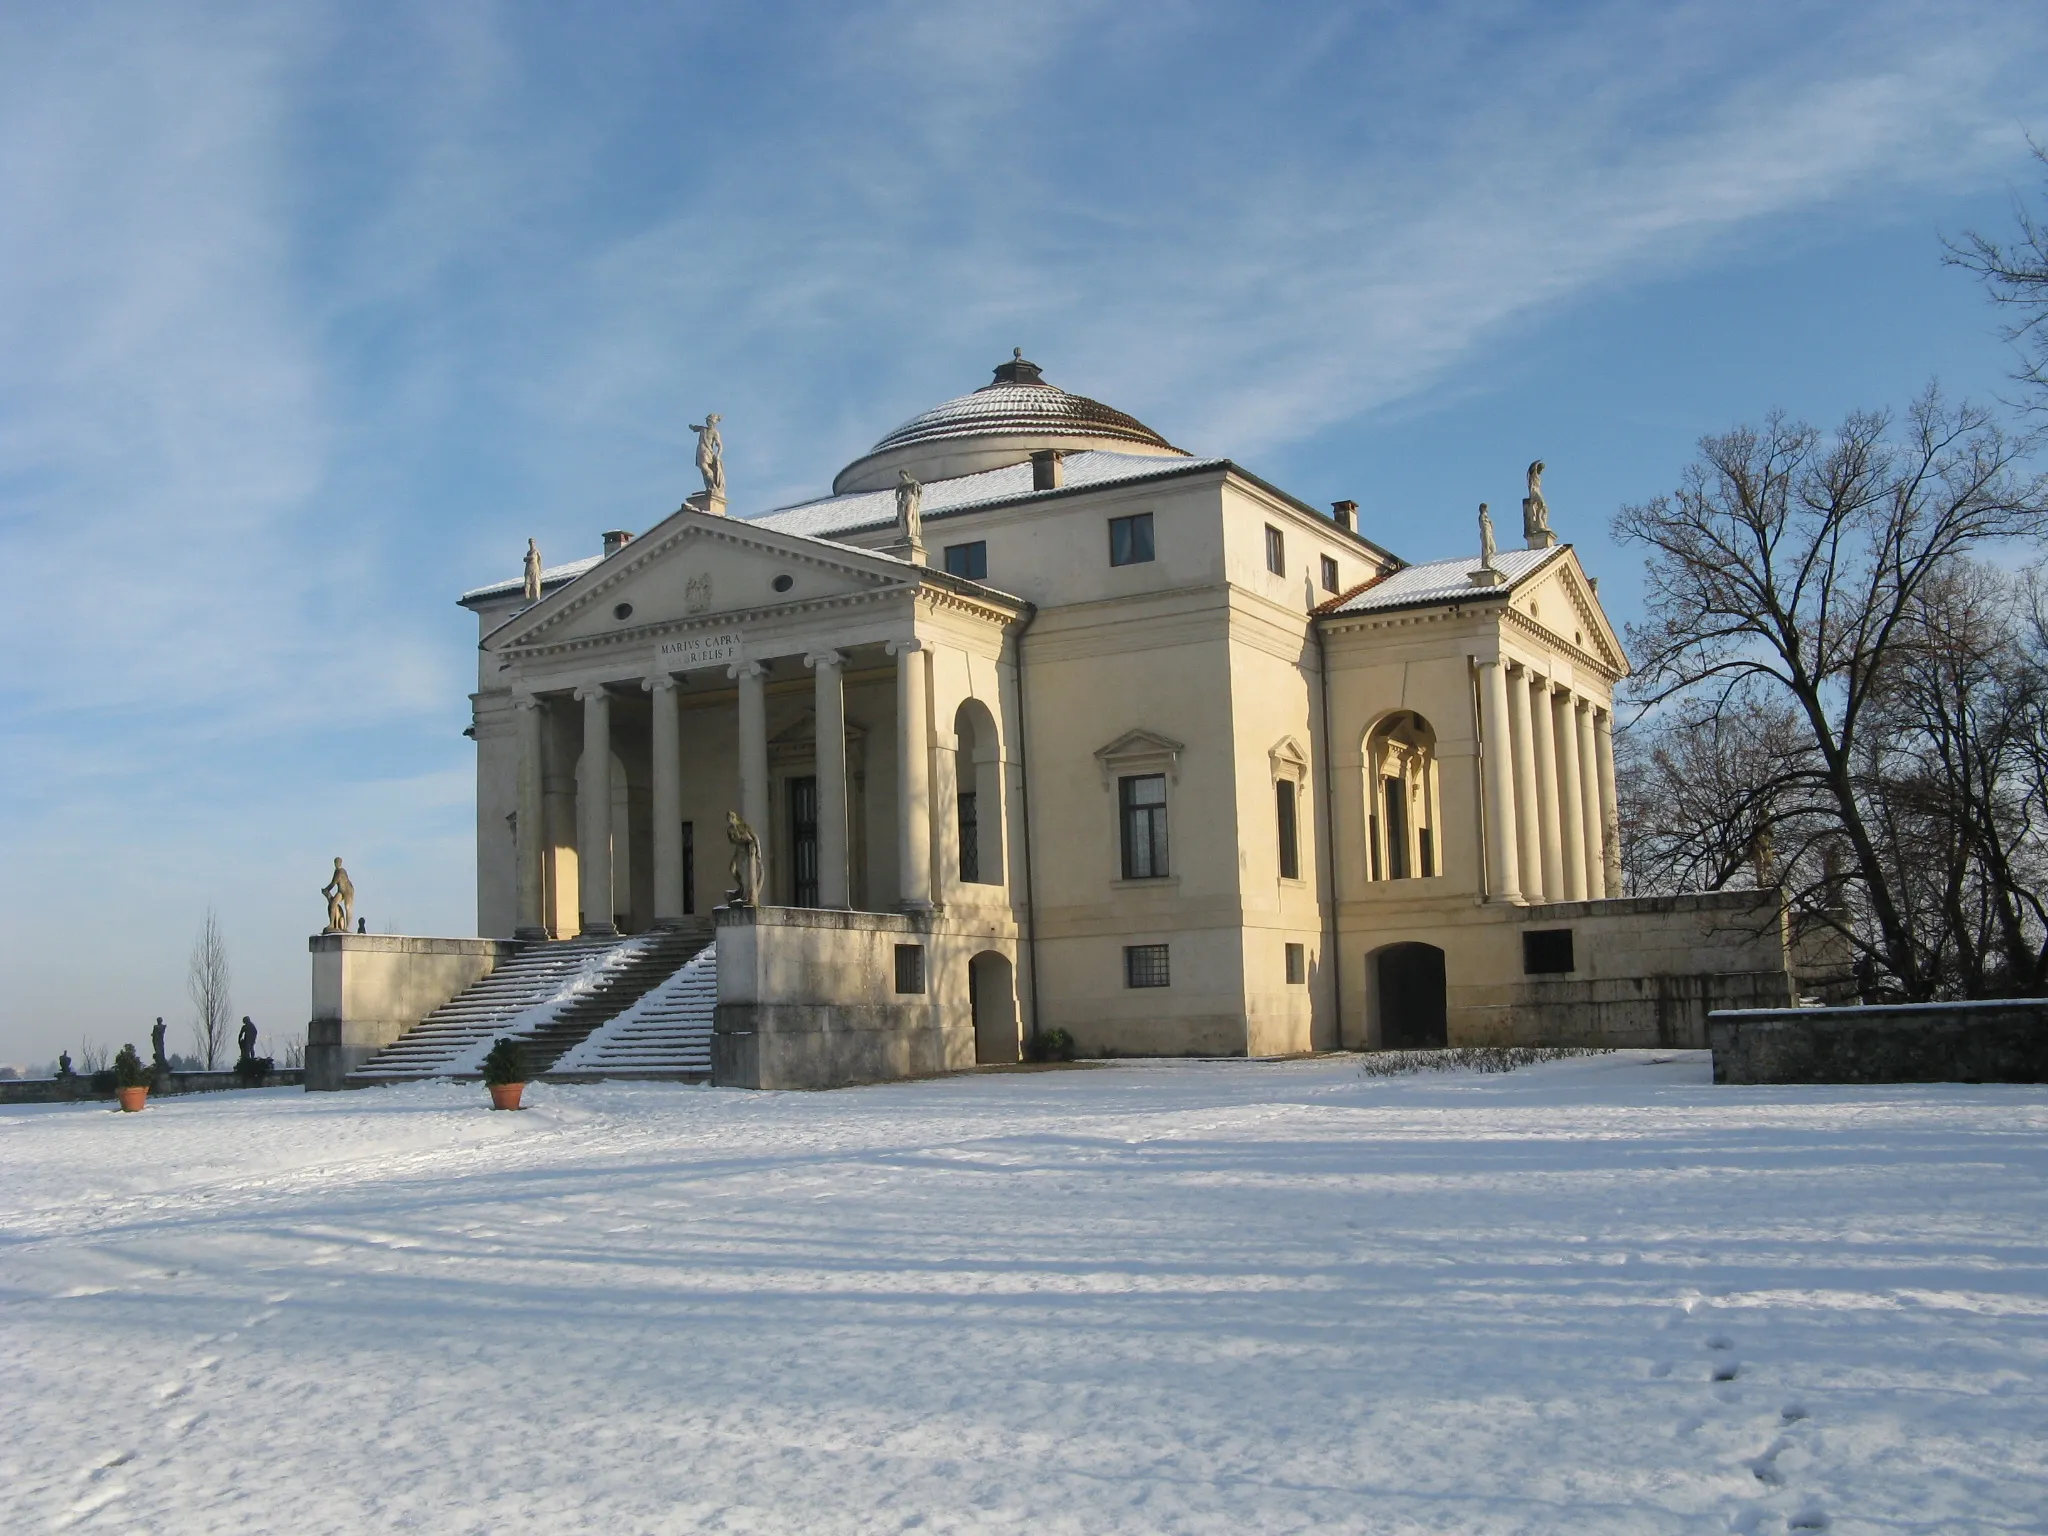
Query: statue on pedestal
x,y
909,513
532,571
341,899
247,1038
1536,512
711,456
746,861
1486,547
156,1046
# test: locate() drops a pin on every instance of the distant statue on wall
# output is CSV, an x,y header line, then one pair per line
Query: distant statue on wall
x,y
1536,511
156,1046
532,571
1486,547
746,861
711,455
341,899
909,509
247,1038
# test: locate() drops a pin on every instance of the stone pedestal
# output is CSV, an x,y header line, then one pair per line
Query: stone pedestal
x,y
370,988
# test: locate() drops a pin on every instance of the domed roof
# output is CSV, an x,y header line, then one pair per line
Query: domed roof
x,y
1003,422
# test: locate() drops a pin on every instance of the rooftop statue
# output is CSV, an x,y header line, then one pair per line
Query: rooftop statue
x,y
341,899
1486,546
532,571
909,509
710,454
1536,511
746,861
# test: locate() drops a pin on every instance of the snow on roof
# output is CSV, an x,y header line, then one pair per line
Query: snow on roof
x,y
553,576
1443,581
877,509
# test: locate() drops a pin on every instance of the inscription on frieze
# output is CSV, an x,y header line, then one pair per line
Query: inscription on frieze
x,y
692,651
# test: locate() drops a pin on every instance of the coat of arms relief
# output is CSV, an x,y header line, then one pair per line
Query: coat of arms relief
x,y
697,593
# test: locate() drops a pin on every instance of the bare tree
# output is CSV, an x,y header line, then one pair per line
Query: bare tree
x,y
2016,273
1789,583
207,980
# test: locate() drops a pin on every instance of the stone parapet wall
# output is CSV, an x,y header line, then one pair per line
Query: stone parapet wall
x,y
78,1087
2000,1041
370,988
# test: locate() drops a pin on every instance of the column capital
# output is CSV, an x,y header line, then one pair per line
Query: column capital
x,y
660,682
588,691
523,698
825,658
898,647
739,669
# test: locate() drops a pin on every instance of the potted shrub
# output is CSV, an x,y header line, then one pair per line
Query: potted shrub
x,y
505,1073
131,1079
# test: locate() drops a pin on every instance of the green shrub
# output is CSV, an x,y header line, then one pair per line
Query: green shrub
x,y
250,1071
505,1064
1468,1058
129,1072
1052,1045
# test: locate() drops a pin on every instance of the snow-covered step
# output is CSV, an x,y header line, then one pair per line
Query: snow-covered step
x,y
668,1030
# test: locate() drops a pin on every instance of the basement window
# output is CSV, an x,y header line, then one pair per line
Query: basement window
x,y
1547,952
909,967
1145,965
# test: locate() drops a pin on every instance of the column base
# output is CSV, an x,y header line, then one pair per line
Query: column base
x,y
599,931
530,935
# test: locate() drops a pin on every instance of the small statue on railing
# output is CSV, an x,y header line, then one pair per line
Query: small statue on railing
x,y
746,861
341,899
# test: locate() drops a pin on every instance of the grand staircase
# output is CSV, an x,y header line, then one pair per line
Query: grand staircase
x,y
667,1033
550,997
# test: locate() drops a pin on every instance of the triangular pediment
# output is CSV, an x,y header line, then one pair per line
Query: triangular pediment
x,y
1140,751
1559,600
696,567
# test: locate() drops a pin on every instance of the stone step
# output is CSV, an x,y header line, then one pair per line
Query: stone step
x,y
667,1031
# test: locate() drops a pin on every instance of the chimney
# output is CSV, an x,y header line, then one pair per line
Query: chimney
x,y
1046,474
615,540
1345,515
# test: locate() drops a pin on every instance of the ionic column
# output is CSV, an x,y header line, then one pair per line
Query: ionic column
x,y
1543,729
913,778
1529,845
1501,842
1589,802
530,835
831,767
668,802
1571,821
594,810
1610,802
752,677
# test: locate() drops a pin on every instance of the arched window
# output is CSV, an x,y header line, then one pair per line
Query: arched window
x,y
978,795
1401,800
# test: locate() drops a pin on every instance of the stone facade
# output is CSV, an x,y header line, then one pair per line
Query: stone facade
x,y
1981,1042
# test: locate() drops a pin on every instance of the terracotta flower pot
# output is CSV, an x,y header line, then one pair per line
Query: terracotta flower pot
x,y
505,1095
131,1098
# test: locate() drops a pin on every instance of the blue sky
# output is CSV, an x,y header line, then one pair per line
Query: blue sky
x,y
311,314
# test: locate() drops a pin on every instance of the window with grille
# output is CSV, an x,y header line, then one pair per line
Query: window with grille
x,y
1142,799
1329,574
1130,539
969,560
1276,551
1297,965
1285,800
1145,966
970,838
909,967
1547,951
803,842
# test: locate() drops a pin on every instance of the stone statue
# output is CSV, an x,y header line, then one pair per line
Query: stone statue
x,y
1536,511
909,509
341,899
711,455
247,1038
156,1046
362,925
1486,549
746,861
532,571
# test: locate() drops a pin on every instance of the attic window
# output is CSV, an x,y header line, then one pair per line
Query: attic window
x,y
623,611
783,582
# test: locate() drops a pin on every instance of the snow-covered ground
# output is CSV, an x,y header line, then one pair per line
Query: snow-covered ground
x,y
1201,1297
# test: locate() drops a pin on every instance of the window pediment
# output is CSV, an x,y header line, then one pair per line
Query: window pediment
x,y
1139,751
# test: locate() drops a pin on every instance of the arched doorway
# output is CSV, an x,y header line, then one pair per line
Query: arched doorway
x,y
994,1000
1411,996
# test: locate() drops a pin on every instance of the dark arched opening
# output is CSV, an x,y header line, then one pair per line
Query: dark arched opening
x,y
1411,989
992,994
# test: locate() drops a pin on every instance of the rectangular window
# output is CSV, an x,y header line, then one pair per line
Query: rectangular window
x,y
969,560
1329,574
1297,965
1276,551
689,869
909,967
1397,828
803,842
1425,852
1145,966
970,839
1290,846
1547,951
1130,539
1142,800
